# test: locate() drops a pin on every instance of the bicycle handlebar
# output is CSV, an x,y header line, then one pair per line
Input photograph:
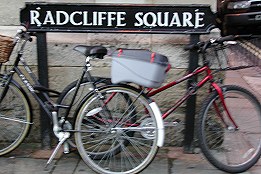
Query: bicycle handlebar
x,y
22,34
202,46
221,40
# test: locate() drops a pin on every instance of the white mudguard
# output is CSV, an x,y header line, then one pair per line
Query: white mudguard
x,y
161,133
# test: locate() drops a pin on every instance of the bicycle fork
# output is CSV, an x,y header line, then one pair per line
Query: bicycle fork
x,y
222,99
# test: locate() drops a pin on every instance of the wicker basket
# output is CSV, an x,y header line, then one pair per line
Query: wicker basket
x,y
6,47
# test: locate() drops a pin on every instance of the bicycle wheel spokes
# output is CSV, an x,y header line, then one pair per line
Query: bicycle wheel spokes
x,y
14,119
127,143
232,144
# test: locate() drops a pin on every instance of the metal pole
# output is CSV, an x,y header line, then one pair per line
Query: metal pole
x,y
43,79
191,102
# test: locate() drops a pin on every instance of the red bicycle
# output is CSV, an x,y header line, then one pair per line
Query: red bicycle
x,y
229,122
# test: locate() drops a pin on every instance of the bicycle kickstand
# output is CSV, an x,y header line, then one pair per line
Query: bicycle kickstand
x,y
61,142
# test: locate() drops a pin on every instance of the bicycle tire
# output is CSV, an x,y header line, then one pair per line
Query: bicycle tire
x,y
228,148
66,97
15,116
105,139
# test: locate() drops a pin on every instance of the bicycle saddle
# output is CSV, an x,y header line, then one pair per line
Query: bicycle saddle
x,y
96,51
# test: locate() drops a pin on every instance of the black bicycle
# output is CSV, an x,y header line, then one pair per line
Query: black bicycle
x,y
114,131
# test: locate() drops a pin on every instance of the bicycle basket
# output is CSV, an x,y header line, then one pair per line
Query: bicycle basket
x,y
246,53
6,48
243,54
142,67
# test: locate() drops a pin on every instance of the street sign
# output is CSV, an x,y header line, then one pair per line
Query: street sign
x,y
60,17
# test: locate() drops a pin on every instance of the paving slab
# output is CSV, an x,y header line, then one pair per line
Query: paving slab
x,y
66,165
158,166
83,169
189,167
24,166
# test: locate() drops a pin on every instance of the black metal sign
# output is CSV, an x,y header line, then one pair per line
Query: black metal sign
x,y
48,17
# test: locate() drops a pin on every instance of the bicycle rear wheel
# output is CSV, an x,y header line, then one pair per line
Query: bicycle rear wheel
x,y
231,147
15,117
115,133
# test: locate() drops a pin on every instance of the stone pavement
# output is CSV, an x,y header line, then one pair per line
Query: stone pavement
x,y
169,160
249,78
28,159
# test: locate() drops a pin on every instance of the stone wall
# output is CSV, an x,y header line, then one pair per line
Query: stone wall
x,y
64,62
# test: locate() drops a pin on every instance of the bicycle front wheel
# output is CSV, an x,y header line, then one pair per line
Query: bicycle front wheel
x,y
117,131
231,142
15,117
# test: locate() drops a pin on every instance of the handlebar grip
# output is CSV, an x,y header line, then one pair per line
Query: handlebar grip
x,y
24,35
28,37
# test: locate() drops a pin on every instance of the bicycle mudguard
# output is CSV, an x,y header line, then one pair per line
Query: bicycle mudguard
x,y
161,131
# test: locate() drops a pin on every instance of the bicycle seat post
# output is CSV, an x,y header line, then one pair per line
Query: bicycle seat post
x,y
88,64
87,70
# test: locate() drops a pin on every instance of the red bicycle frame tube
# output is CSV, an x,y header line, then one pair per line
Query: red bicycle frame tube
x,y
221,97
173,83
208,77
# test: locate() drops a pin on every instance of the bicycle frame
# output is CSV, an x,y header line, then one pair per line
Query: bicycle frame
x,y
207,78
39,92
151,92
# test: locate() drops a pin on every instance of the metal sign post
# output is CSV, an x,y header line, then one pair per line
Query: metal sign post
x,y
191,102
43,79
114,18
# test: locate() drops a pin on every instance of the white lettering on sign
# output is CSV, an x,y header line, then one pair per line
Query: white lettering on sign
x,y
165,19
98,18
111,17
49,18
187,19
121,18
34,15
118,19
164,22
175,21
72,19
199,18
59,15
